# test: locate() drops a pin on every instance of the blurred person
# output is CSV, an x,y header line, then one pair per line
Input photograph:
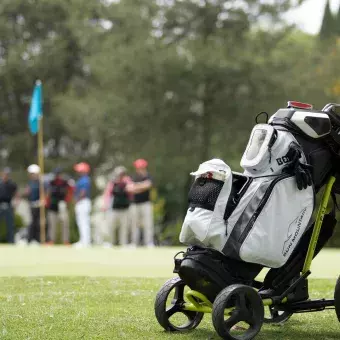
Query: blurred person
x,y
32,192
8,190
99,223
58,190
142,209
117,195
71,189
83,204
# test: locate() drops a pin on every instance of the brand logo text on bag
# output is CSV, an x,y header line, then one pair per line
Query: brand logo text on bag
x,y
282,160
292,235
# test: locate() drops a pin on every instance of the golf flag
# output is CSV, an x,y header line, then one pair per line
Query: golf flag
x,y
36,109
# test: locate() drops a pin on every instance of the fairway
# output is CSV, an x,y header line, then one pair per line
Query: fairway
x,y
66,293
117,262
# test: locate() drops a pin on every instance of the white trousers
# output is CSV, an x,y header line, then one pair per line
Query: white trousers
x,y
142,217
119,217
83,211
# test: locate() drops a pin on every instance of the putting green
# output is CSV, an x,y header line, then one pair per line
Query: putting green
x,y
115,262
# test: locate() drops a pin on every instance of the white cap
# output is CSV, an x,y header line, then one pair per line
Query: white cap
x,y
215,166
33,169
119,170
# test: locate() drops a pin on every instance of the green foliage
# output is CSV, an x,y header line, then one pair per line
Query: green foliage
x,y
337,22
329,24
174,84
158,207
170,234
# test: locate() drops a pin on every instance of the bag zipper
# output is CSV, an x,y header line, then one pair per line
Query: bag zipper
x,y
260,207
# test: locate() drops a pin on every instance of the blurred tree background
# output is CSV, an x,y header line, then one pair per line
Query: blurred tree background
x,y
175,82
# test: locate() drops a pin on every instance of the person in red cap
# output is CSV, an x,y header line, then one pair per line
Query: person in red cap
x,y
83,204
141,209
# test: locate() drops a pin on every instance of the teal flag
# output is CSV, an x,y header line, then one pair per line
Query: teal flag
x,y
36,108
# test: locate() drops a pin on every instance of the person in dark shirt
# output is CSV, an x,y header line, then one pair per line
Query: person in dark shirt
x,y
117,194
32,192
57,207
8,190
142,209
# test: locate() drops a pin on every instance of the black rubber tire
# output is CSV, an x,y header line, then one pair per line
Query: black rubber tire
x,y
248,305
337,298
277,317
194,318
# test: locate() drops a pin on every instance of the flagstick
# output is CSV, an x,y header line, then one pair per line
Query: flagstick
x,y
41,181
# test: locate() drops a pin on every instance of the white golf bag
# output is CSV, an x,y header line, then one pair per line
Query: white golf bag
x,y
258,216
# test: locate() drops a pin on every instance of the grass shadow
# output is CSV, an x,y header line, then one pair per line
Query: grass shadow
x,y
268,332
288,334
197,334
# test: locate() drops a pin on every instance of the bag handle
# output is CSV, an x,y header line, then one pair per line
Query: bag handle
x,y
259,115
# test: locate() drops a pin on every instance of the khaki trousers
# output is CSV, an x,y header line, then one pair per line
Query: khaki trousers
x,y
54,218
120,217
142,217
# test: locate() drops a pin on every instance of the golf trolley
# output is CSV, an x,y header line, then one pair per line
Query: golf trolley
x,y
238,310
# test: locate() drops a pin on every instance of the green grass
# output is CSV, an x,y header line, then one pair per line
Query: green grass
x,y
44,294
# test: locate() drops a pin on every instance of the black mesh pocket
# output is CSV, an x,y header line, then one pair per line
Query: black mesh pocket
x,y
204,193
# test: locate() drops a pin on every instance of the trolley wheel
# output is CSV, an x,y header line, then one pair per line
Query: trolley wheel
x,y
276,317
337,298
171,316
245,321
